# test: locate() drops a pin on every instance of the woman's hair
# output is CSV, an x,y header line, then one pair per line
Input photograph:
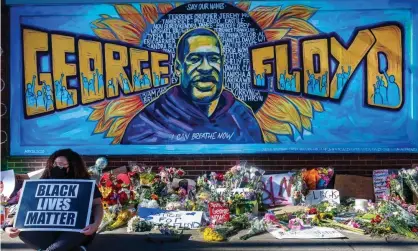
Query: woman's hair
x,y
76,165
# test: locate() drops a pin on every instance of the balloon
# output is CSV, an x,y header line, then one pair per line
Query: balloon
x,y
101,163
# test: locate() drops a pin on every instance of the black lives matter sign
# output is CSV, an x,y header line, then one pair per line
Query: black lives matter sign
x,y
55,205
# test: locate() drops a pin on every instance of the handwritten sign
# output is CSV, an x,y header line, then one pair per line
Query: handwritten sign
x,y
307,233
315,197
218,212
55,205
180,219
379,182
7,185
277,189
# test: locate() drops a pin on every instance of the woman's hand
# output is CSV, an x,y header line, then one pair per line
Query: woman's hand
x,y
12,232
90,229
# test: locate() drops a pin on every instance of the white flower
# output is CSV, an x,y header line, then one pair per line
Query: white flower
x,y
153,204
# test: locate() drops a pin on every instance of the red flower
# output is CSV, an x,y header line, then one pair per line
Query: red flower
x,y
118,186
376,219
123,197
171,170
180,172
312,211
154,197
219,177
414,229
161,168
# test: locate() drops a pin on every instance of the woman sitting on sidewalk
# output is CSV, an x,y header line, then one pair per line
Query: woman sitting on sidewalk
x,y
64,164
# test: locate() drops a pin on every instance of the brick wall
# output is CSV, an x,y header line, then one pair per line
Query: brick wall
x,y
359,164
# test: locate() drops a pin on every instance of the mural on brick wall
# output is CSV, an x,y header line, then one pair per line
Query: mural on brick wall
x,y
212,77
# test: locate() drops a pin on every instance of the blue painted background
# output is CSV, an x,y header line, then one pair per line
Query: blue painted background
x,y
348,126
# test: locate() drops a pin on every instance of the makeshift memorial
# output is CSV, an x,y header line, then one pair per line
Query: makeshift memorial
x,y
221,204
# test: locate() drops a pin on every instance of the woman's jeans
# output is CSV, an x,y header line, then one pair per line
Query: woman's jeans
x,y
57,241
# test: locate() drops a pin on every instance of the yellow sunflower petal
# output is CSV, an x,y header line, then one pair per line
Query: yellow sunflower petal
x,y
150,12
303,105
118,127
281,109
275,34
123,107
165,7
317,105
306,123
104,34
98,111
297,11
102,125
96,115
124,31
97,23
130,14
270,137
264,16
267,123
298,27
244,5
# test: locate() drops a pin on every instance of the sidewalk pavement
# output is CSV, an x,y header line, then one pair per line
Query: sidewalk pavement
x,y
120,240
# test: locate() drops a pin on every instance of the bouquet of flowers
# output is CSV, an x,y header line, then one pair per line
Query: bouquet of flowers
x,y
146,177
137,224
299,189
258,226
223,232
410,177
115,191
168,174
325,175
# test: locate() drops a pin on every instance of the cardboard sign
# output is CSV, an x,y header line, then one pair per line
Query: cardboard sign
x,y
277,189
315,197
307,233
180,219
218,212
55,205
7,184
354,186
379,182
36,174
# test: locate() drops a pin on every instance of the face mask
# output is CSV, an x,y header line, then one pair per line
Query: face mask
x,y
58,172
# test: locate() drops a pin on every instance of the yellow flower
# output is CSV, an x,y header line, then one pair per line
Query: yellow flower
x,y
105,191
210,234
